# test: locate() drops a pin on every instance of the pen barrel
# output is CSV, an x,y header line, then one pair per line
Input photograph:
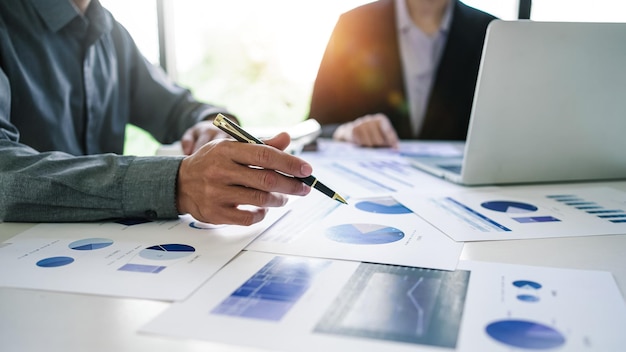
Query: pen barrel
x,y
309,180
313,182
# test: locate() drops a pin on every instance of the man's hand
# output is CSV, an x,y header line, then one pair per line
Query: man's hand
x,y
224,174
200,134
368,131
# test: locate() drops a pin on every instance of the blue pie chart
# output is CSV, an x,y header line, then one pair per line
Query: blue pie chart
x,y
166,251
528,298
383,206
203,226
526,284
90,244
54,262
505,206
364,234
525,334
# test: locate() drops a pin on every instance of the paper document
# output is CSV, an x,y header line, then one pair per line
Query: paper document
x,y
345,150
284,303
378,230
523,212
164,260
373,173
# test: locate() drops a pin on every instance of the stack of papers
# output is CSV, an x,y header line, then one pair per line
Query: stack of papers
x,y
380,273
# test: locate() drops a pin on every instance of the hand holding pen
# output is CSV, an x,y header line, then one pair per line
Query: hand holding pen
x,y
230,127
217,185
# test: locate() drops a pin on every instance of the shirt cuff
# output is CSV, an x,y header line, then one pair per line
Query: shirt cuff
x,y
149,188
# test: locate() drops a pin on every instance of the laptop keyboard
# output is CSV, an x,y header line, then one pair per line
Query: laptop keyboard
x,y
452,168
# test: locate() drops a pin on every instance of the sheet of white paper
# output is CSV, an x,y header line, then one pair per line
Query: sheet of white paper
x,y
431,148
308,304
164,260
378,230
378,174
334,149
522,212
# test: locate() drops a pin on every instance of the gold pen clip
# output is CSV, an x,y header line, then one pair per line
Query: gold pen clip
x,y
224,124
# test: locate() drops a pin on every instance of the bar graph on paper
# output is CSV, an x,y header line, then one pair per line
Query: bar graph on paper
x,y
524,212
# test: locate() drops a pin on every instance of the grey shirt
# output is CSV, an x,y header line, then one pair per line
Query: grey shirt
x,y
69,84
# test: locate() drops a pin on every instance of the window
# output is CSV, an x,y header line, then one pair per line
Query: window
x,y
140,19
257,58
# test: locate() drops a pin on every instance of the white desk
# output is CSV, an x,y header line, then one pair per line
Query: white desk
x,y
49,321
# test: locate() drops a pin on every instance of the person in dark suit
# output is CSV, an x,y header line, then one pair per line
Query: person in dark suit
x,y
400,69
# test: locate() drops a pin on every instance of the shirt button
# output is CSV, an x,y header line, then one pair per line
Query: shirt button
x,y
150,214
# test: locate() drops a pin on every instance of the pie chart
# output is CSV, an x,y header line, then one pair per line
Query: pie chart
x,y
364,234
528,298
166,251
529,287
383,206
203,226
53,262
526,284
90,244
505,206
525,334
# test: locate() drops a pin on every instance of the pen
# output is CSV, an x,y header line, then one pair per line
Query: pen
x,y
228,126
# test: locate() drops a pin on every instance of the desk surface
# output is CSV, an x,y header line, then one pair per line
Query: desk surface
x,y
50,321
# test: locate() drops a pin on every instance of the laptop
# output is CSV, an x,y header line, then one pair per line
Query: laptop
x,y
549,106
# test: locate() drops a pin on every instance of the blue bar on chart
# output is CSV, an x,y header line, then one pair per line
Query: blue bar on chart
x,y
564,198
477,216
593,208
573,204
142,268
273,290
605,211
612,216
362,180
531,219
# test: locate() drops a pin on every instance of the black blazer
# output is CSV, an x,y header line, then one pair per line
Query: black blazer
x,y
361,73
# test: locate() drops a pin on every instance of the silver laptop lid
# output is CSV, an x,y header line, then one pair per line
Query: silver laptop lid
x,y
550,104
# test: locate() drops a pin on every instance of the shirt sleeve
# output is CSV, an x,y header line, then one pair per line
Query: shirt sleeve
x,y
55,186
